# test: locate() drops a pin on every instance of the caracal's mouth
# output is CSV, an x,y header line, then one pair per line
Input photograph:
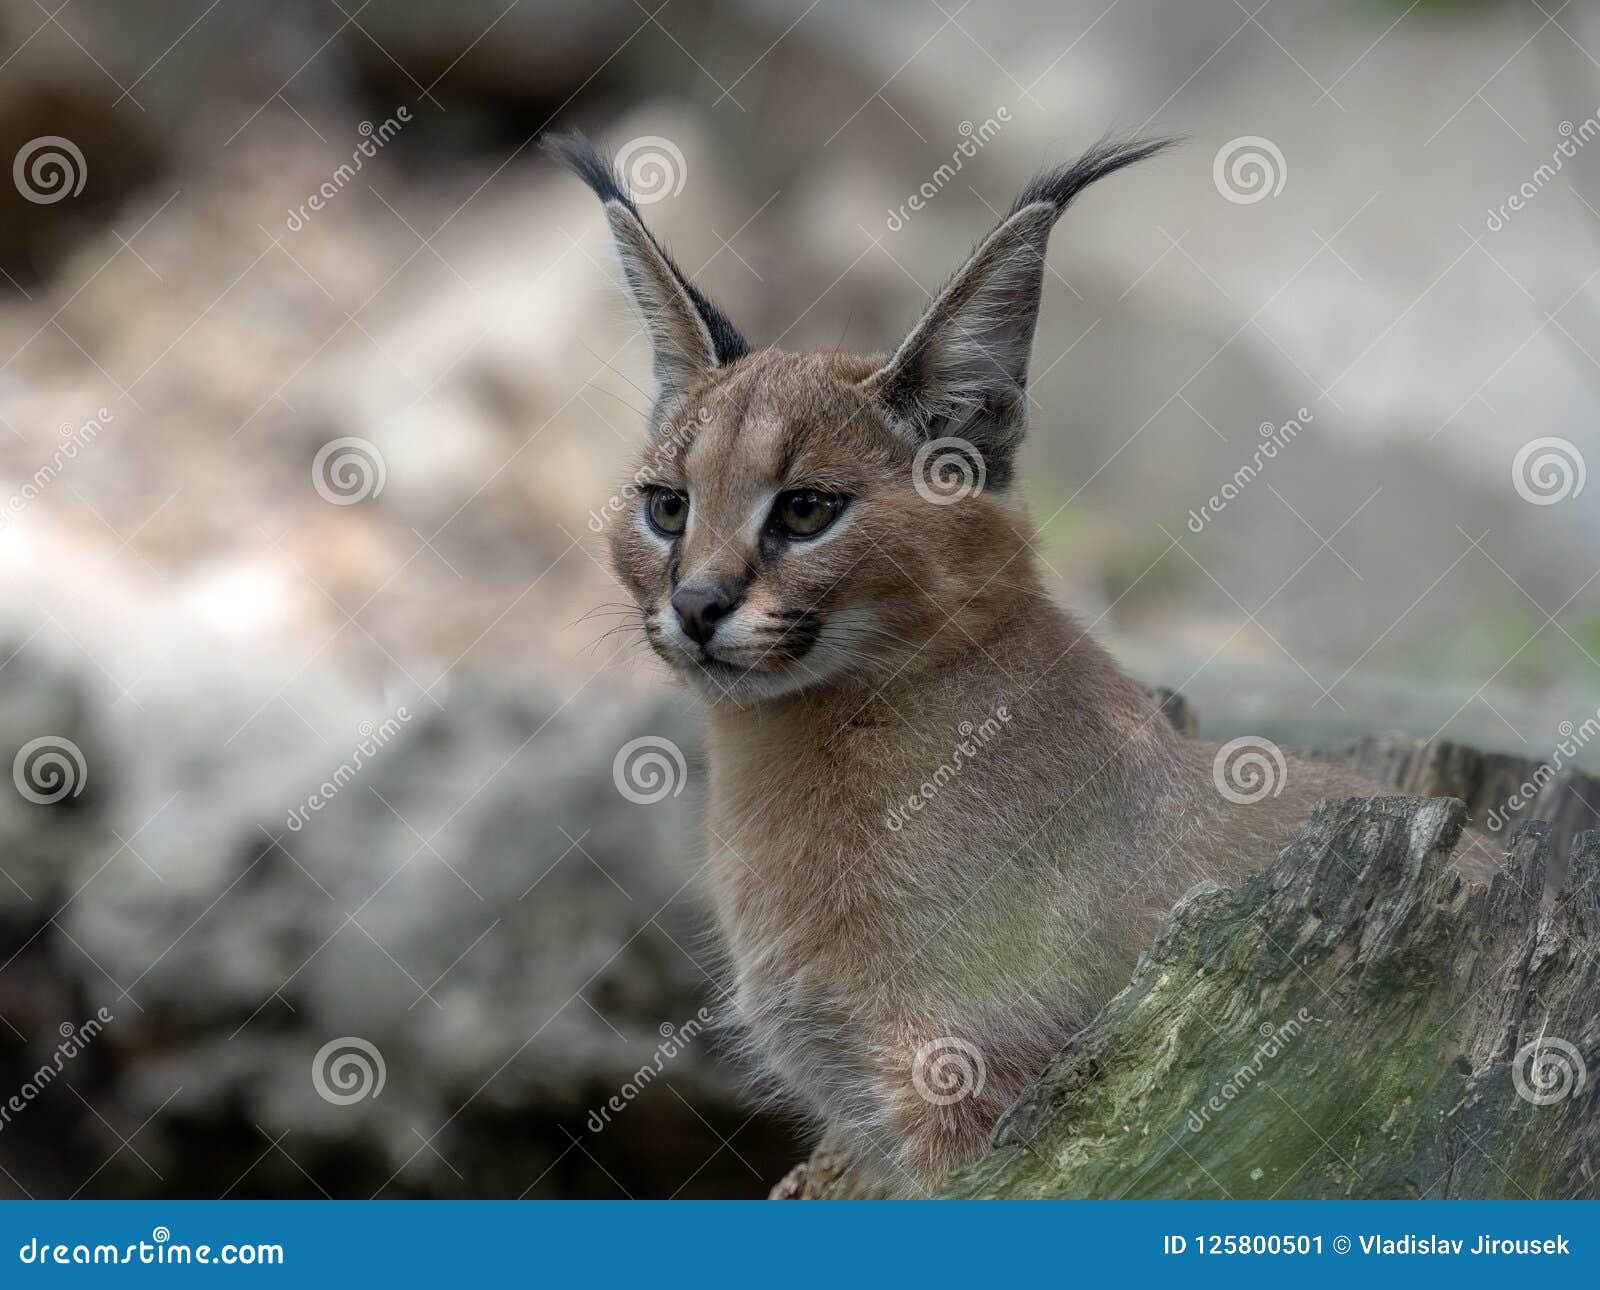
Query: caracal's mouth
x,y
761,661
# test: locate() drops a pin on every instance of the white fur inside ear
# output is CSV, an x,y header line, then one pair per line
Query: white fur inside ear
x,y
680,342
970,351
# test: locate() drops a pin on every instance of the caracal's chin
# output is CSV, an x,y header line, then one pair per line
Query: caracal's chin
x,y
719,682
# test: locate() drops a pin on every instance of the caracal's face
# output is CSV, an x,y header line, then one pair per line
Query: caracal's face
x,y
814,521
780,539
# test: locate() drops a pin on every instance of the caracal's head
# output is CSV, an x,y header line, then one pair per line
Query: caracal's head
x,y
806,520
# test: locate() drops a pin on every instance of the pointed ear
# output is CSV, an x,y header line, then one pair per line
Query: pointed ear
x,y
963,370
688,334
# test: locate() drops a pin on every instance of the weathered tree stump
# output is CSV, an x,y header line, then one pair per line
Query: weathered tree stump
x,y
1499,790
1357,1021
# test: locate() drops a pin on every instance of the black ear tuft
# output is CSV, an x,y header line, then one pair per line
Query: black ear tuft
x,y
963,370
1060,184
574,151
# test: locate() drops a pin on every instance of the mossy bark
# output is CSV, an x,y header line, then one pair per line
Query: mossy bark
x,y
1358,1021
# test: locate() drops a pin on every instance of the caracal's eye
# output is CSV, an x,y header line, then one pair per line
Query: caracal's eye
x,y
668,511
806,512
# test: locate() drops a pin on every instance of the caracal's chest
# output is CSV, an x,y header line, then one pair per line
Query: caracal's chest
x,y
820,944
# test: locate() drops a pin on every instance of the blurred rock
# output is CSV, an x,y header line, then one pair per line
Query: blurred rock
x,y
464,888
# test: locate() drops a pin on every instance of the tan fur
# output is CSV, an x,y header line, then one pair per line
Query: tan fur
x,y
905,961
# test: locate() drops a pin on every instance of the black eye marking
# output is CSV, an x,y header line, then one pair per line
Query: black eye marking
x,y
790,633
